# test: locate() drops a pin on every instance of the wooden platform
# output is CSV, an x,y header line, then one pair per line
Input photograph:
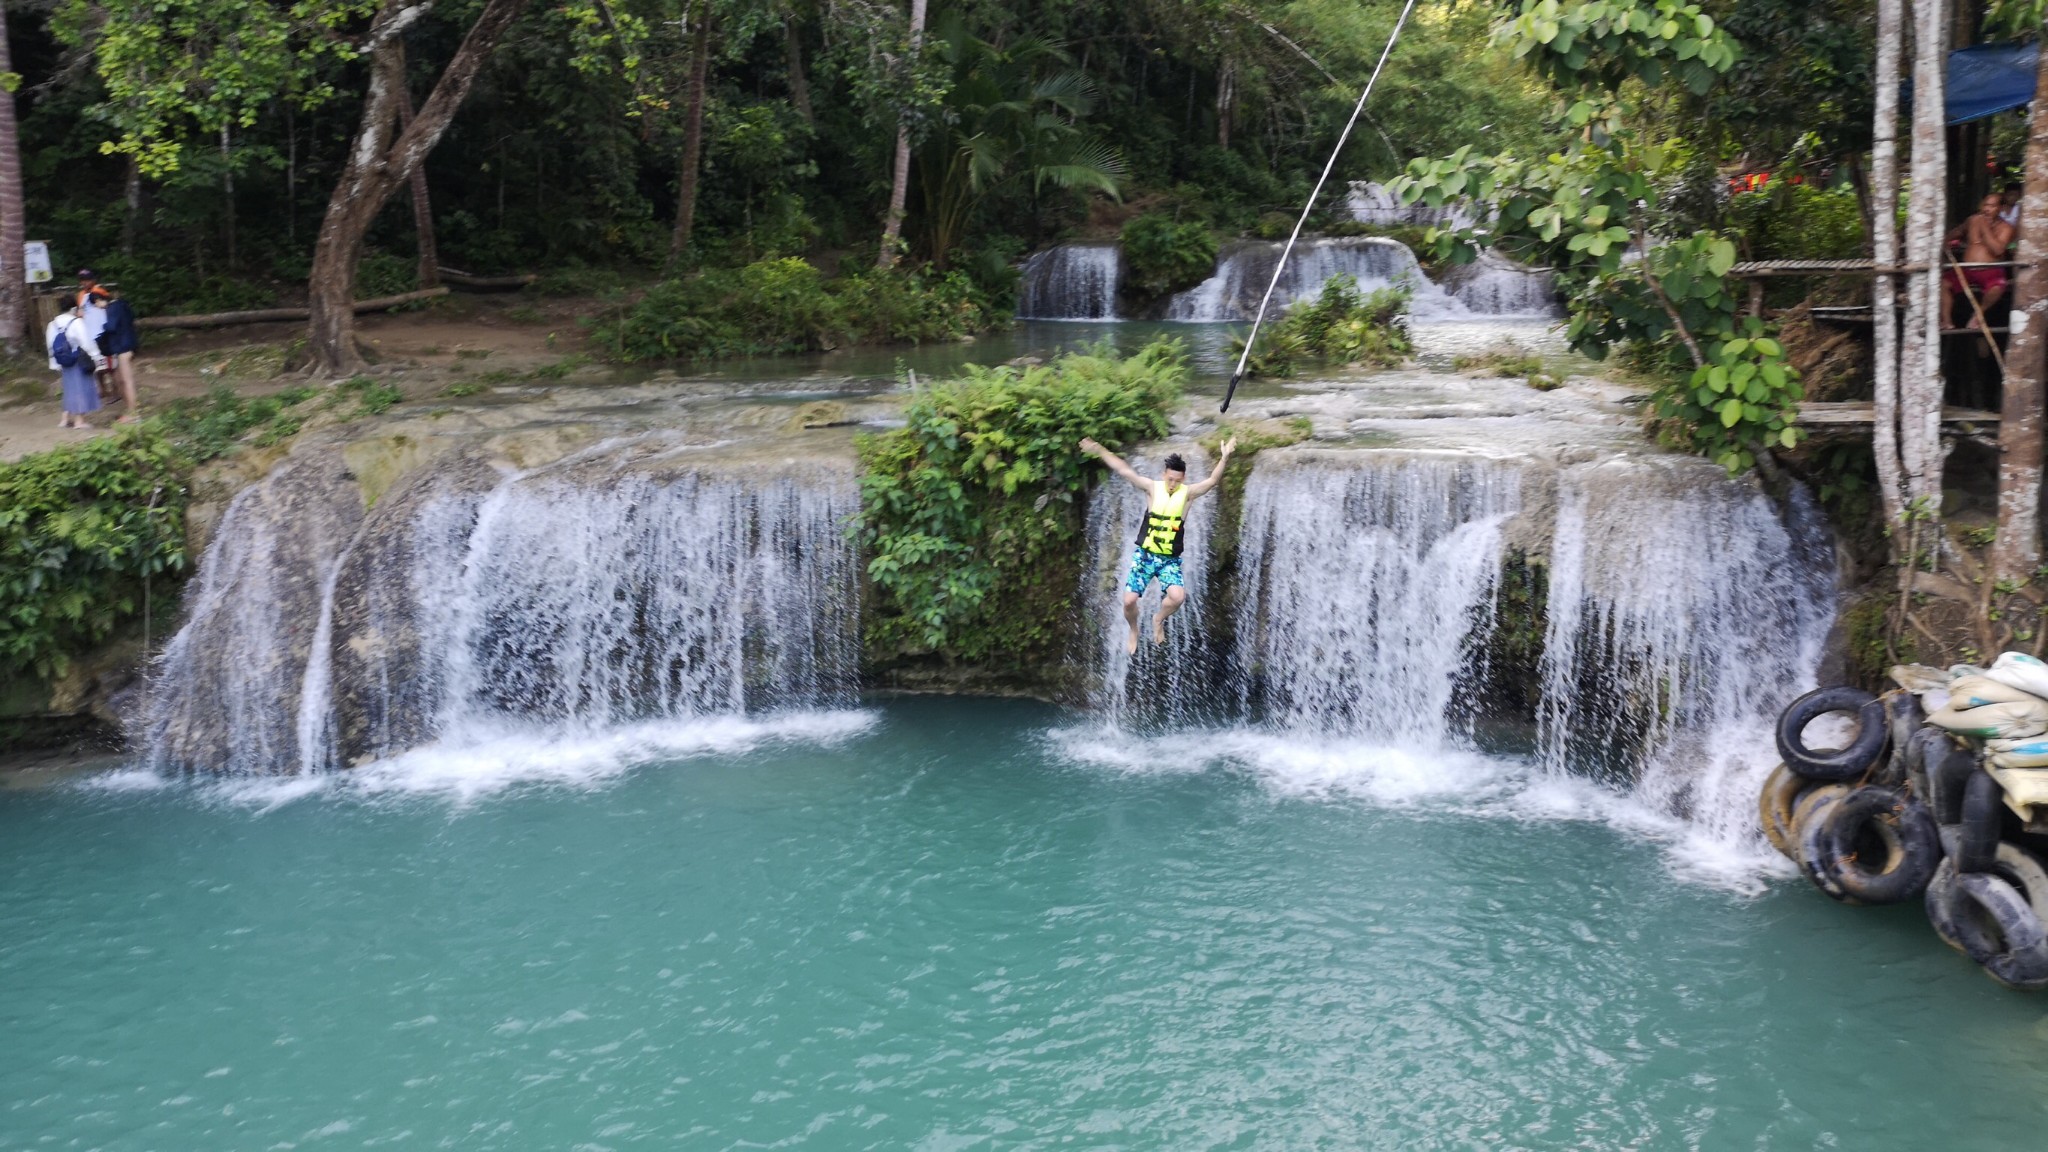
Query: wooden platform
x,y
1863,413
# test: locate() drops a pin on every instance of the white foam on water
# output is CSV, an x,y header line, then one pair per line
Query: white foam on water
x,y
125,780
479,762
1426,779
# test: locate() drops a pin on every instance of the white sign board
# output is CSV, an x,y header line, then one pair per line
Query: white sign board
x,y
36,258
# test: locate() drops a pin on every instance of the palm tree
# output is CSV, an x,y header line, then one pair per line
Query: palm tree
x,y
1010,115
13,228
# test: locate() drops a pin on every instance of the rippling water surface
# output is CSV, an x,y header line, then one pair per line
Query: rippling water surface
x,y
944,925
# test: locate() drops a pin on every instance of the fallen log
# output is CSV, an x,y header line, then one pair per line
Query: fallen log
x,y
266,315
488,283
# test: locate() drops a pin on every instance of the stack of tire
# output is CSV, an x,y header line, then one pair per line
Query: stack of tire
x,y
1906,811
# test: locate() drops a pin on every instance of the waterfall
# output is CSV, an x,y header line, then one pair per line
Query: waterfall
x,y
1070,282
1371,203
1682,615
1163,684
226,691
1364,604
595,593
1245,268
1494,285
1363,580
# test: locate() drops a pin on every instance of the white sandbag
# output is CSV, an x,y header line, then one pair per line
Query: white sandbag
x,y
1996,721
2021,671
1967,692
1918,678
2025,788
2036,759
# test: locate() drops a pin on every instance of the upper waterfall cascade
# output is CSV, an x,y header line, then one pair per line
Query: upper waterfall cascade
x,y
1079,281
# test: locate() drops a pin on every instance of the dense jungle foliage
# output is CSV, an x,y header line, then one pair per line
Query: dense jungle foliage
x,y
194,169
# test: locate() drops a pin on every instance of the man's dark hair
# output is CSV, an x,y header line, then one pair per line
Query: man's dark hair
x,y
1175,464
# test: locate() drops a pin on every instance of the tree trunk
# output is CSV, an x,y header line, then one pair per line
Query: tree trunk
x,y
1920,381
379,160
13,218
131,205
2017,551
422,207
227,192
799,87
1884,292
693,138
1226,99
899,185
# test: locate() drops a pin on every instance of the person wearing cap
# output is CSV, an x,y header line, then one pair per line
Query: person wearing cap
x,y
1160,537
81,390
117,339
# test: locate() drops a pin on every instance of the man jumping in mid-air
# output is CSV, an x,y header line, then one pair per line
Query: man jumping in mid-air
x,y
1159,540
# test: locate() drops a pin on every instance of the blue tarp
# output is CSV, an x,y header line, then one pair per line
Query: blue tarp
x,y
1987,80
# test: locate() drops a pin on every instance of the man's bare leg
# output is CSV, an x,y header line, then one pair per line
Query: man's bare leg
x,y
124,367
1948,305
1131,618
1175,597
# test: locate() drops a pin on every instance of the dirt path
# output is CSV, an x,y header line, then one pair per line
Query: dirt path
x,y
458,337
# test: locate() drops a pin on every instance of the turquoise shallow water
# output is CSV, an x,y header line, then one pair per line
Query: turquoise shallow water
x,y
933,925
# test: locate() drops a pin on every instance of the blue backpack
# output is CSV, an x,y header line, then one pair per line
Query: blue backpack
x,y
61,350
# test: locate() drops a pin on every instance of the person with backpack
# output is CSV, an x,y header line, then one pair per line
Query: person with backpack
x,y
75,355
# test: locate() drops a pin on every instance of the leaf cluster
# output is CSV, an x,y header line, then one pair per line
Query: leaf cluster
x,y
1607,42
1342,325
970,512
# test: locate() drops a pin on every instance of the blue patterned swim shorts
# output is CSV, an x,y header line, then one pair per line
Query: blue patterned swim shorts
x,y
1149,566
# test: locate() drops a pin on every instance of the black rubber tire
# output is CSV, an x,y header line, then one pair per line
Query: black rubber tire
x,y
1774,808
1949,769
2015,865
1833,766
1977,845
1999,931
1807,812
1913,848
1941,903
1903,718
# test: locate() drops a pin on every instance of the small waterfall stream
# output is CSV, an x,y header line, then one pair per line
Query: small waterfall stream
x,y
1245,268
1070,282
1362,584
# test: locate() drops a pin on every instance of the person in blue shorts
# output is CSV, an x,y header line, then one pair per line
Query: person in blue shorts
x,y
1160,537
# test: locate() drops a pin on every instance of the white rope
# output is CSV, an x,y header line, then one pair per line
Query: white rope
x,y
1244,357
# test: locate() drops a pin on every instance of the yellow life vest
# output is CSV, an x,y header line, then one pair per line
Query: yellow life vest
x,y
1165,518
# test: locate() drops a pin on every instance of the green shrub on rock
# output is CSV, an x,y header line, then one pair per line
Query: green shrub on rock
x,y
80,526
1341,326
1162,257
969,512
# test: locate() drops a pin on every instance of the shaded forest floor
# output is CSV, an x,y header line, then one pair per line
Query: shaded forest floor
x,y
455,342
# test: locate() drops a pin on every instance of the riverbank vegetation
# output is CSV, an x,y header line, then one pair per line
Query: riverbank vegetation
x,y
1341,326
971,513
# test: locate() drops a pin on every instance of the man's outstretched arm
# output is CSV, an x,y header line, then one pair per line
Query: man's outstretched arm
x,y
1216,474
1117,465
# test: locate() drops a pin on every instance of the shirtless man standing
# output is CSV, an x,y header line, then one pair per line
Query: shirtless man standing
x,y
1985,237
